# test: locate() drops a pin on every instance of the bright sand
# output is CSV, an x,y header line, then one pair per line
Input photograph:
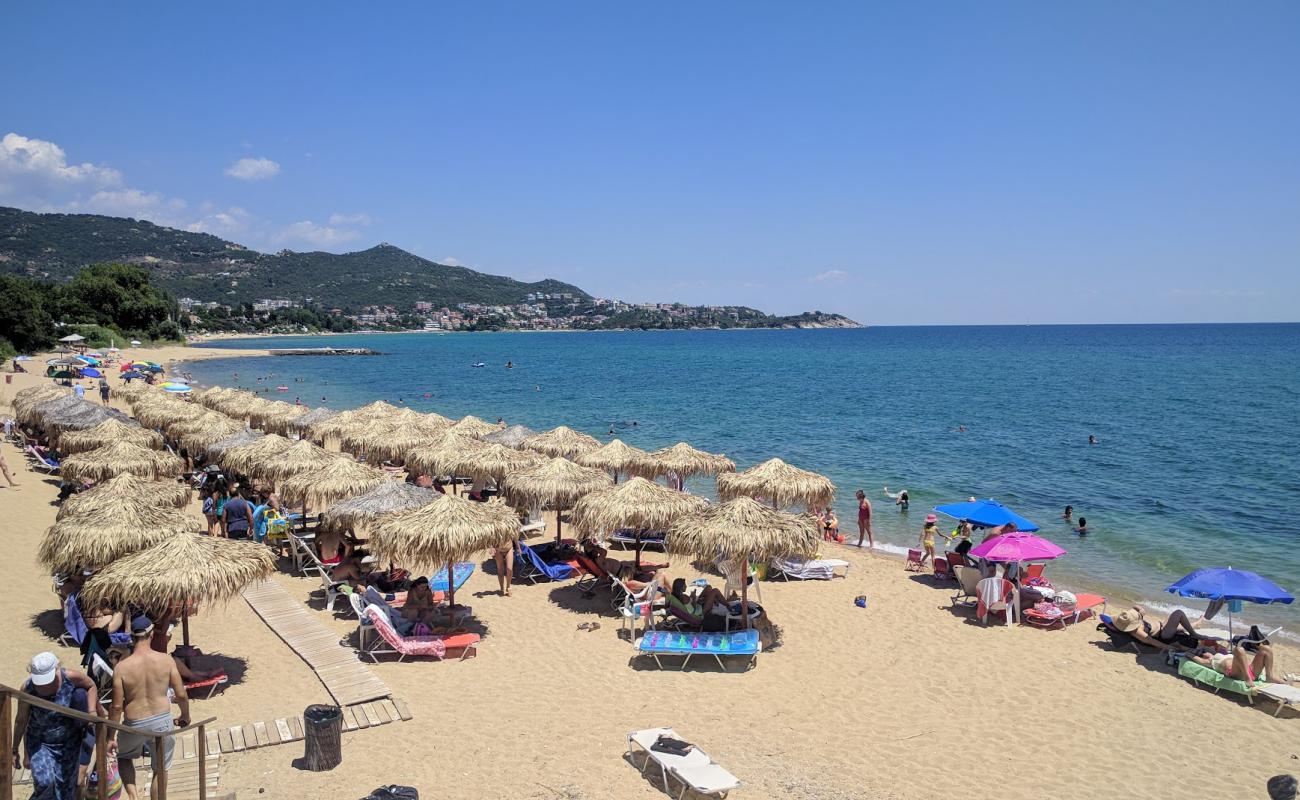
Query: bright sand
x,y
906,699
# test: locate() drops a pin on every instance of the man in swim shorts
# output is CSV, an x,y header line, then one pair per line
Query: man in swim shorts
x,y
140,685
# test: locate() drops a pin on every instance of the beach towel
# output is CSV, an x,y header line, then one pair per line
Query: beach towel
x,y
74,624
992,591
556,572
462,571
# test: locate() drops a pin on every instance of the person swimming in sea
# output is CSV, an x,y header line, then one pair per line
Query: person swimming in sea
x,y
1092,439
1068,516
510,365
1082,530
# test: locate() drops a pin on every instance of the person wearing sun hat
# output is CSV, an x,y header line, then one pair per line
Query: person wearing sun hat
x,y
57,745
1176,633
927,537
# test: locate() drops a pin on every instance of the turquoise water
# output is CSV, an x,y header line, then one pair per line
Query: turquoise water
x,y
1198,426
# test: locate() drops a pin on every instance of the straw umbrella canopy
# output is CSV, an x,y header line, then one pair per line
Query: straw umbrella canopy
x,y
90,540
301,425
198,434
160,410
562,442
558,483
26,399
82,417
685,461
440,456
512,436
218,449
743,529
177,571
209,395
107,432
385,439
484,460
117,458
473,426
299,457
617,456
107,497
244,457
277,419
235,404
339,424
38,411
779,483
337,479
261,409
638,504
130,391
444,531
388,497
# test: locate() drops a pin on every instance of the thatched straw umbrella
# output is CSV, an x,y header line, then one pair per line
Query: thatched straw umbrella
x,y
617,456
684,461
218,449
25,399
336,480
387,439
160,410
80,418
105,498
301,425
178,571
90,540
297,458
242,458
339,424
440,456
779,483
235,404
558,483
199,433
37,412
277,419
638,504
562,442
107,432
473,426
130,391
388,497
445,531
117,458
743,529
511,437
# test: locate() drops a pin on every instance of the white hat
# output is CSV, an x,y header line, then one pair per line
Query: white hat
x,y
43,668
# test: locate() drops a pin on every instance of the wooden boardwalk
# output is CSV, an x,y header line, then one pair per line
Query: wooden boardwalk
x,y
182,778
290,729
347,680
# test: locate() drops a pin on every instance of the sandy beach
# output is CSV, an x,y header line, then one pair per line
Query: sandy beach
x,y
908,698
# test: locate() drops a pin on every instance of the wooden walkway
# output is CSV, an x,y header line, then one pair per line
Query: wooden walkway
x,y
290,729
182,778
347,680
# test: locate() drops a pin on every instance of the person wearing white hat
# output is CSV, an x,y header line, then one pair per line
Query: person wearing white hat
x,y
57,745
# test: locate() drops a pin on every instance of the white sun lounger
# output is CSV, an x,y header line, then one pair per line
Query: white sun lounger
x,y
820,569
694,771
1282,693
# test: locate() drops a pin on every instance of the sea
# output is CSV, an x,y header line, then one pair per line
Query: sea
x,y
1196,461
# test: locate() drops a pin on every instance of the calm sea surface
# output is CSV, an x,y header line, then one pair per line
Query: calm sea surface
x,y
1198,426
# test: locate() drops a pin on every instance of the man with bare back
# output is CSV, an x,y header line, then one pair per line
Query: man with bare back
x,y
140,685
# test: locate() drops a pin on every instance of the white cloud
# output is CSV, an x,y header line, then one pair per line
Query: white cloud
x,y
253,169
323,236
350,219
829,276
37,172
232,221
449,261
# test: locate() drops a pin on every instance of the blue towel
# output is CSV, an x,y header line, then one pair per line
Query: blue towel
x,y
75,624
556,572
438,582
741,643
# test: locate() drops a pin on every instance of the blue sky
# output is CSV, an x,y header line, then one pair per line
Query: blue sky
x,y
902,163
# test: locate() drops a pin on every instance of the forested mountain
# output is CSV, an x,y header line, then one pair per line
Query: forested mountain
x,y
208,268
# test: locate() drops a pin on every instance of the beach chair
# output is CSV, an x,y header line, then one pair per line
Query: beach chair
x,y
1284,694
1032,571
364,626
39,461
331,587
817,569
1084,605
593,575
393,643
995,596
302,549
626,539
532,568
632,606
533,523
941,567
1206,676
731,570
914,562
968,579
1119,640
694,770
744,643
75,628
207,687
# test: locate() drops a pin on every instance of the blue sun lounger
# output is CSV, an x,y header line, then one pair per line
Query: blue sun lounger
x,y
534,567
462,571
687,644
75,628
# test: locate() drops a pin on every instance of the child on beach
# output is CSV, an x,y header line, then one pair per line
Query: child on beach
x,y
210,512
927,537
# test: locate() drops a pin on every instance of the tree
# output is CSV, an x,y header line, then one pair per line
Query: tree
x,y
25,313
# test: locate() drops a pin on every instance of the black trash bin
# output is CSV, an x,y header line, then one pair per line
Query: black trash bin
x,y
323,734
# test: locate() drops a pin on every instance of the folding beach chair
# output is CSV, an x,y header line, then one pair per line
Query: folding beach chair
x,y
914,562
694,770
41,462
814,569
968,579
393,643
532,568
941,567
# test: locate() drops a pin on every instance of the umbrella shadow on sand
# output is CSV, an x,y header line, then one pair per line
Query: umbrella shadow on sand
x,y
49,622
570,598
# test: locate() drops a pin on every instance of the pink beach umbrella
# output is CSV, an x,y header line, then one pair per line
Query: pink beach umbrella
x,y
1017,546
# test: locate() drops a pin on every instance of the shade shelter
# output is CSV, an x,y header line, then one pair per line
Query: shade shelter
x,y
684,461
339,423
335,480
558,483
82,417
638,504
561,442
107,432
177,571
473,426
218,449
90,540
302,425
986,514
617,456
297,458
1230,586
1017,546
197,434
117,458
386,498
391,439
484,461
442,455
779,484
25,400
242,459
743,529
512,436
37,412
124,490
442,532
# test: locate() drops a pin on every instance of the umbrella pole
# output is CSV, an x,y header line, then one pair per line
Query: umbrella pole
x,y
744,590
185,623
637,563
451,590
559,523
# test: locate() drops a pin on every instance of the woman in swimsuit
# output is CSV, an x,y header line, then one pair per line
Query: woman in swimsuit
x,y
1176,633
1240,665
900,498
504,556
927,537
419,606
864,520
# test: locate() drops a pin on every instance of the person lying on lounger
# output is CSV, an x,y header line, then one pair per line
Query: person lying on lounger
x,y
708,604
1176,633
1240,665
640,574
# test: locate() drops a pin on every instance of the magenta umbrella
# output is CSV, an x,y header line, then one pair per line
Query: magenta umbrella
x,y
1017,546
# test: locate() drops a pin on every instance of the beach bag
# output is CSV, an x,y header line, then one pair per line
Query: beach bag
x,y
421,629
114,783
393,793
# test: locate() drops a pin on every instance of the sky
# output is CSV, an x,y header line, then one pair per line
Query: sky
x,y
900,163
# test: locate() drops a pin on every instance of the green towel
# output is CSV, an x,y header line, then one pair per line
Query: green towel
x,y
1213,678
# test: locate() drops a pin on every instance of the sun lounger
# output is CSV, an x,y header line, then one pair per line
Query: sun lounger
x,y
532,568
438,581
1206,676
819,569
626,538
694,770
1284,694
75,628
593,574
1084,606
686,643
332,588
194,688
391,642
914,562
534,522
1119,639
42,462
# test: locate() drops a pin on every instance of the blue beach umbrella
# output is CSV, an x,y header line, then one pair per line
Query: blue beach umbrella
x,y
90,372
178,388
986,514
1229,585
133,375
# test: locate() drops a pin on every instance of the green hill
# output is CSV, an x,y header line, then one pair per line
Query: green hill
x,y
209,268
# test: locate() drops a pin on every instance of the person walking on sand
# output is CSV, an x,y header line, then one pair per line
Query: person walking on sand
x,y
504,556
58,747
4,468
103,391
140,685
927,537
864,520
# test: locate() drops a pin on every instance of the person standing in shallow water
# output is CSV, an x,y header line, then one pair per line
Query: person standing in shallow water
x,y
864,520
900,498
